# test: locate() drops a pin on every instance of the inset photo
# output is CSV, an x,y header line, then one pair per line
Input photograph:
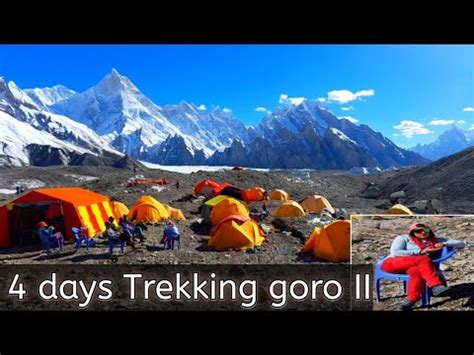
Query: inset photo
x,y
422,262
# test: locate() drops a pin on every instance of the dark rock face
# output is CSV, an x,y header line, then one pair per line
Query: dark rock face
x,y
296,151
130,144
41,155
174,151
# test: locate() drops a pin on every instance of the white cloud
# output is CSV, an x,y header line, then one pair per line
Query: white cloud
x,y
346,108
226,110
468,109
345,96
349,118
411,128
471,128
321,99
202,107
441,122
262,109
284,99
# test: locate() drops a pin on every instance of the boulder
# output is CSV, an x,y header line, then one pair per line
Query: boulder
x,y
398,197
371,191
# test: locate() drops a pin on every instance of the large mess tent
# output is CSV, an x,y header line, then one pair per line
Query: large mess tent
x,y
64,208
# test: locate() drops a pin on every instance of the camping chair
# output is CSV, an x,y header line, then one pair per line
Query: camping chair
x,y
115,241
49,244
446,253
82,237
170,242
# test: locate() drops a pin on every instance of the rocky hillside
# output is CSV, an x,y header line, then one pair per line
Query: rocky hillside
x,y
448,179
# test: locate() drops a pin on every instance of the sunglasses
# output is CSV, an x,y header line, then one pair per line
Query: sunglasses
x,y
419,230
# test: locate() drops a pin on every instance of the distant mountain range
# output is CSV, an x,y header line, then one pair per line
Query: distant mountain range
x,y
113,118
452,141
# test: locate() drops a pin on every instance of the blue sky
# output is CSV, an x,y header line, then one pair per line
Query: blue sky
x,y
417,89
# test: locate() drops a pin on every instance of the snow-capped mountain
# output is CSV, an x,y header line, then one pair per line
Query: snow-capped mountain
x,y
216,129
17,139
46,97
115,114
23,119
307,135
118,111
451,141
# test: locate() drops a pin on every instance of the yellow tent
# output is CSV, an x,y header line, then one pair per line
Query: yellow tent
x,y
279,195
120,208
175,213
331,242
148,210
236,232
288,209
228,207
316,203
399,209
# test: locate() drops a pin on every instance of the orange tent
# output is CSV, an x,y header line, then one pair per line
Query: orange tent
x,y
148,210
253,194
236,232
206,188
279,195
120,208
77,207
331,242
228,207
288,209
175,213
316,203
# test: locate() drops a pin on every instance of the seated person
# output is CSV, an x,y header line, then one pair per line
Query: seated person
x,y
112,224
131,229
116,234
49,235
412,254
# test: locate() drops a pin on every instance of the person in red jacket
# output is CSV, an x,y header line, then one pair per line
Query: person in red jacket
x,y
412,254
